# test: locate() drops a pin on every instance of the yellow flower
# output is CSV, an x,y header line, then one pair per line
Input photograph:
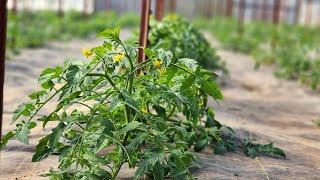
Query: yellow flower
x,y
144,110
161,70
118,57
87,52
157,63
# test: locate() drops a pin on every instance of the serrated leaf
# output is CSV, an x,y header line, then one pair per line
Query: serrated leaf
x,y
22,110
129,127
47,144
211,88
5,139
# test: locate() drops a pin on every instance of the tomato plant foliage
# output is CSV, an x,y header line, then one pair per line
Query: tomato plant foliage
x,y
113,111
184,40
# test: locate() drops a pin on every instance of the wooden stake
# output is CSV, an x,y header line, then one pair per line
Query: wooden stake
x,y
3,32
144,28
276,11
14,7
229,8
264,12
241,14
85,8
275,20
255,10
309,13
159,9
173,5
297,11
60,11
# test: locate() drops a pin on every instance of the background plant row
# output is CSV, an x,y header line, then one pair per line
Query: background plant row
x,y
293,49
35,28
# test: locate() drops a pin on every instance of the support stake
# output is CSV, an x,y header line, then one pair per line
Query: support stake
x,y
297,11
60,11
144,28
241,14
159,9
275,20
309,13
229,8
3,32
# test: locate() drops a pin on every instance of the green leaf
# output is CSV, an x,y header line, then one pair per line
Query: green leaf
x,y
37,95
129,127
211,88
220,148
211,121
158,171
72,74
189,63
5,139
150,53
48,75
23,110
252,150
48,144
148,163
112,34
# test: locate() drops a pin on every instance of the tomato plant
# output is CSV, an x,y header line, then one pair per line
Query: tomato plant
x,y
184,40
108,114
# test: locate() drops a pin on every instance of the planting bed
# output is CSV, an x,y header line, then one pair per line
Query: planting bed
x,y
256,104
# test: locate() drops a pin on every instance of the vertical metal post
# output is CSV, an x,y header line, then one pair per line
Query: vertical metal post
x,y
241,15
3,32
159,9
144,28
309,13
229,8
297,11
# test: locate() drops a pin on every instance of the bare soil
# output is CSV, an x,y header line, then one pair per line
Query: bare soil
x,y
256,104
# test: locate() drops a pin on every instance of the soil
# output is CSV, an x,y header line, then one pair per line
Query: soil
x,y
256,105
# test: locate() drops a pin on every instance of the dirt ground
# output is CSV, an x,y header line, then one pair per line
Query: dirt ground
x,y
256,104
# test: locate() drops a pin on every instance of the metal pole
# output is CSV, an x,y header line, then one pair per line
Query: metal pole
x,y
159,9
3,32
229,8
144,28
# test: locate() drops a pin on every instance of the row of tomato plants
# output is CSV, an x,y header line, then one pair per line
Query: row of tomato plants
x,y
293,49
35,28
112,110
